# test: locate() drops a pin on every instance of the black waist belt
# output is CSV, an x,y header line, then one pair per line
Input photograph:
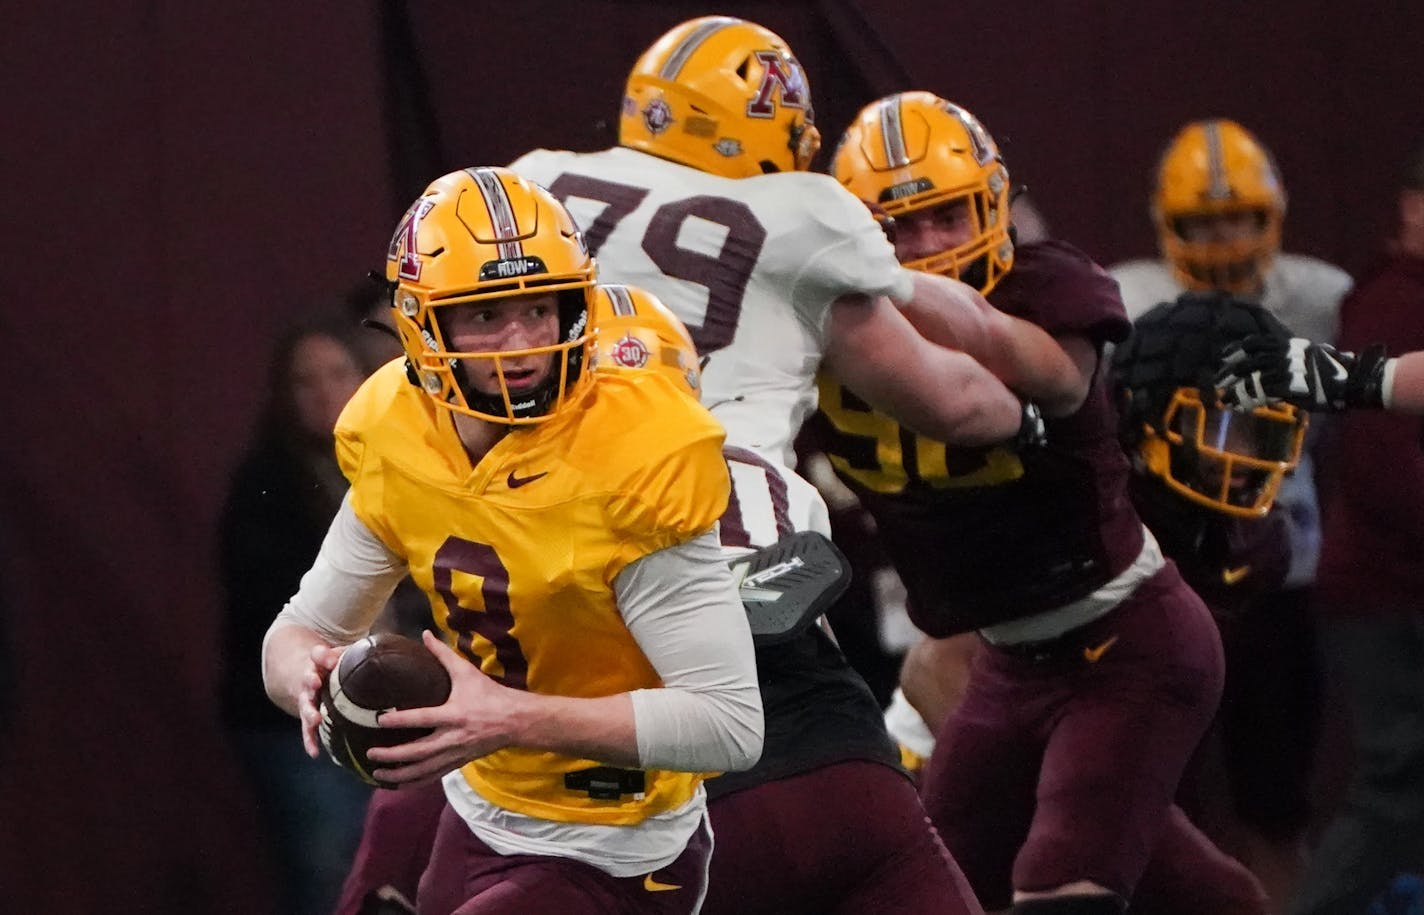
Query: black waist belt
x,y
605,783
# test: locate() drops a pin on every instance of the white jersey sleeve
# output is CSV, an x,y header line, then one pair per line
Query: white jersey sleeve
x,y
684,611
1305,294
1144,284
839,248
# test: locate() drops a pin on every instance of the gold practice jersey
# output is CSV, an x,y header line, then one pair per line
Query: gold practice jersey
x,y
518,554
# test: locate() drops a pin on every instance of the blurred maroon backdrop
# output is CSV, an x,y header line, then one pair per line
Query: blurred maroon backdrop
x,y
182,181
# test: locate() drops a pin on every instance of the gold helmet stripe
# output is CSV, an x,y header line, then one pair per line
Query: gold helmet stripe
x,y
621,299
501,212
691,43
892,133
1218,182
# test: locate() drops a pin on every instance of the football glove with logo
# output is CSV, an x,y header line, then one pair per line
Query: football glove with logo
x,y
1261,370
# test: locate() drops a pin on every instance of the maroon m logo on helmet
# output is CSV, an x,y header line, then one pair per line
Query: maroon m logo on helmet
x,y
782,72
402,247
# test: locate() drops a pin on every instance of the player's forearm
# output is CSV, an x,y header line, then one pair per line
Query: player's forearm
x,y
646,729
948,312
968,407
711,731
682,607
1037,366
602,729
1406,387
286,652
1019,353
939,392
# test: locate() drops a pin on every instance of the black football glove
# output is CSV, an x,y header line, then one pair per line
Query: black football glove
x,y
1263,369
1032,431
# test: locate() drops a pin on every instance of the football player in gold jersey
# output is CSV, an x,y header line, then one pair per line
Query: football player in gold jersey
x,y
562,523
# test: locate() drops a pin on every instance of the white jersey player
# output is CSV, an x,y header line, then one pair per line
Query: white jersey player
x,y
773,269
1218,207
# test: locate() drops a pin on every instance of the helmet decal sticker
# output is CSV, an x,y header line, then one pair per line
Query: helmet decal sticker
x,y
630,352
402,247
728,146
978,136
779,71
657,116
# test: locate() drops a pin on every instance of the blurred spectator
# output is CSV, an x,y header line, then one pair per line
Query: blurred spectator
x,y
1218,206
281,500
1371,595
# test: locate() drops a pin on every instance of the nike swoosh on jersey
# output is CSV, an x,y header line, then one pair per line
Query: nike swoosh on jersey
x,y
1232,576
653,886
516,482
1094,653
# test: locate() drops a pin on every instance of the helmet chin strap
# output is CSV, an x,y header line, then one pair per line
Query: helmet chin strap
x,y
373,324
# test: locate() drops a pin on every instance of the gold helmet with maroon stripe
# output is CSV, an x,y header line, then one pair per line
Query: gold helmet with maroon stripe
x,y
481,234
632,329
721,95
1217,169
915,151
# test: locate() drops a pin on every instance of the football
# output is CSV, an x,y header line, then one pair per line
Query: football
x,y
377,674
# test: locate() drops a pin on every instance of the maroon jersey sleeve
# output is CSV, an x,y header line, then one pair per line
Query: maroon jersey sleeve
x,y
1059,288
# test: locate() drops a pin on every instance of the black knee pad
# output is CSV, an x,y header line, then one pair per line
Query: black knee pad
x,y
1096,904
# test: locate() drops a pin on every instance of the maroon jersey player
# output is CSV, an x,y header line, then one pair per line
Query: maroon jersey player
x,y
1099,669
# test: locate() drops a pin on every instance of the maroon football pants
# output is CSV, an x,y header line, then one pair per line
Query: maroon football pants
x,y
467,877
395,843
848,838
1061,765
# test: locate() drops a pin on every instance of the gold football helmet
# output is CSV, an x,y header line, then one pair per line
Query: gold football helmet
x,y
633,330
1174,427
480,234
914,151
721,95
1229,462
1216,170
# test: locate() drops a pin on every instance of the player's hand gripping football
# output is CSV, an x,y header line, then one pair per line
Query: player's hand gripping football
x,y
322,663
1264,369
473,722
